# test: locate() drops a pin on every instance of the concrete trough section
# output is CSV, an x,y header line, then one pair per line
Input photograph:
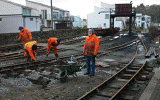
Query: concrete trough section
x,y
150,52
39,80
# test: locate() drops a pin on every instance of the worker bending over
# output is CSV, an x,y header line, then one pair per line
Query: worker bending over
x,y
90,51
53,43
30,48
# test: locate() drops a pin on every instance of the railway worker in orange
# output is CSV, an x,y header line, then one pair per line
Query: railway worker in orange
x,y
53,43
25,35
30,48
90,51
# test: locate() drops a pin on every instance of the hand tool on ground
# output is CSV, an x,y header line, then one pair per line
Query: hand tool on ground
x,y
46,55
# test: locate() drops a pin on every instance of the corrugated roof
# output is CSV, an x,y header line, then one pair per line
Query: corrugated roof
x,y
54,8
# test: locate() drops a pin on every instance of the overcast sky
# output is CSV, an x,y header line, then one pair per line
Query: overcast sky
x,y
84,7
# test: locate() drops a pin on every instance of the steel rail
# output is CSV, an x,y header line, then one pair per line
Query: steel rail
x,y
19,45
17,55
115,95
63,38
101,52
118,92
103,83
41,51
144,45
121,45
96,89
21,56
77,57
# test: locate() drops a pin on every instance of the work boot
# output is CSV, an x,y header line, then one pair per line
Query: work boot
x,y
28,60
86,73
56,55
91,74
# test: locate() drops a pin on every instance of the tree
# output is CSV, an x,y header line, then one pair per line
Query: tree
x,y
153,11
141,9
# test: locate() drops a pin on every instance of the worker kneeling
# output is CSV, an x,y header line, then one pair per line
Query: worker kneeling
x,y
30,48
53,43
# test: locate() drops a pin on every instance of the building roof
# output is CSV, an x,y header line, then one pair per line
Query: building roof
x,y
54,8
17,4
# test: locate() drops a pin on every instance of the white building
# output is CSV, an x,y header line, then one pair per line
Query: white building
x,y
95,20
142,21
77,23
61,18
13,15
156,24
84,23
107,6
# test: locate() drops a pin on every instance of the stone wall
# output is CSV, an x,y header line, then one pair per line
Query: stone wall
x,y
11,38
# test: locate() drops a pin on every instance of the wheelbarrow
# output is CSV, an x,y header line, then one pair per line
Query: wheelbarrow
x,y
69,69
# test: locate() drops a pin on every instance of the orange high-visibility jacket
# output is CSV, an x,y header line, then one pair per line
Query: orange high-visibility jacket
x,y
26,36
28,47
91,45
51,42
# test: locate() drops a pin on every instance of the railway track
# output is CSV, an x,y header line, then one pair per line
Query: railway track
x,y
113,88
47,62
12,47
41,50
13,56
17,46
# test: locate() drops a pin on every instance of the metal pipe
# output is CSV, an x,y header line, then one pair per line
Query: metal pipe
x,y
51,16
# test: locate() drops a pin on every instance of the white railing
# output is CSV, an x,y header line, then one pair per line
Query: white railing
x,y
32,14
68,18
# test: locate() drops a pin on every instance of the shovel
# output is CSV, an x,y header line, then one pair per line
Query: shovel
x,y
46,55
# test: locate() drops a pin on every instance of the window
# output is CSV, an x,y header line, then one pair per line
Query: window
x,y
72,18
26,11
42,21
106,16
143,18
44,14
138,21
67,14
68,25
31,19
55,15
40,16
61,14
0,19
104,24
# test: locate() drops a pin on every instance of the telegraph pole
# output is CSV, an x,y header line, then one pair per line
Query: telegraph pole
x,y
51,16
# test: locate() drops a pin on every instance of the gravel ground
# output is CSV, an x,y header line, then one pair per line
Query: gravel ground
x,y
22,89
